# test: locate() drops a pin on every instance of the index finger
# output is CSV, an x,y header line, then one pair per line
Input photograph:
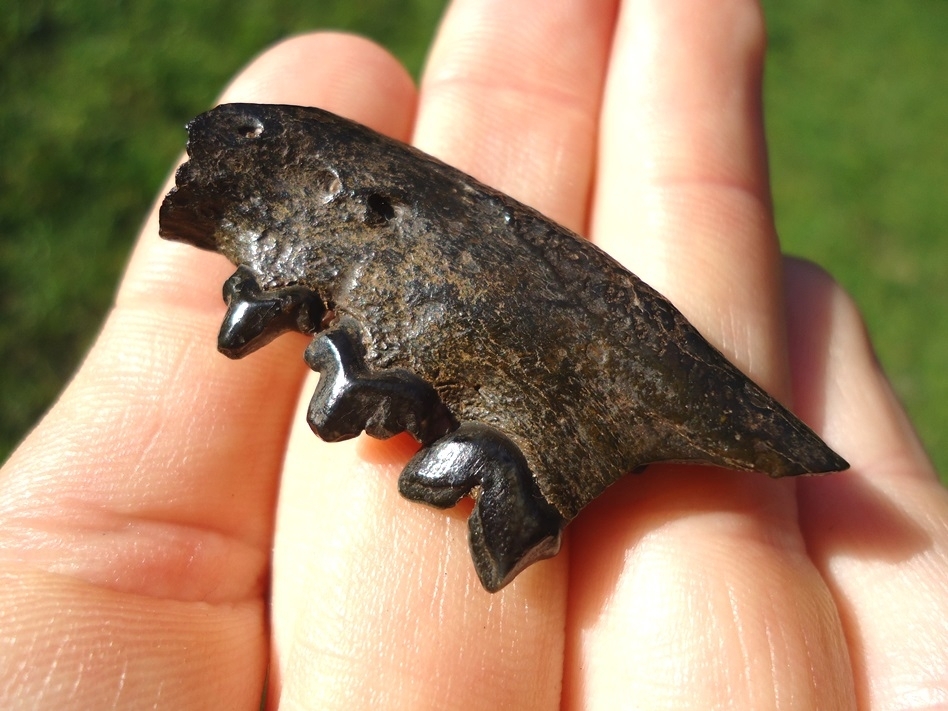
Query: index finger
x,y
136,520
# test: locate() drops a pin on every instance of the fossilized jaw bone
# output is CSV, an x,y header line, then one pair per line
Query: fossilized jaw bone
x,y
534,368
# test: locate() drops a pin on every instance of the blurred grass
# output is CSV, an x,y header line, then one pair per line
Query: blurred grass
x,y
94,93
857,119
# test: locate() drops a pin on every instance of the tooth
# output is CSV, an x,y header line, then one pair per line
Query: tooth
x,y
255,317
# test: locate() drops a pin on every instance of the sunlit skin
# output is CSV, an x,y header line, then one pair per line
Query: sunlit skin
x,y
172,528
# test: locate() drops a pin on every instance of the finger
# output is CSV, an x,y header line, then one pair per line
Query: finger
x,y
137,517
402,621
691,587
683,195
511,96
876,532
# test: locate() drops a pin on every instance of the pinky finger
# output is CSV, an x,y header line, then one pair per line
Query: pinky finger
x,y
878,532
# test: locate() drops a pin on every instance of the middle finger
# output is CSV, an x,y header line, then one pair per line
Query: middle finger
x,y
510,94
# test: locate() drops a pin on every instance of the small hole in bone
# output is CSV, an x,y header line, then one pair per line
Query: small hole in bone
x,y
381,206
250,129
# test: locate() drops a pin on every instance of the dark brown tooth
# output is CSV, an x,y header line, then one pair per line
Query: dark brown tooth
x,y
256,316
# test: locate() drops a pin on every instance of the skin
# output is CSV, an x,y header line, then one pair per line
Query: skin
x,y
172,524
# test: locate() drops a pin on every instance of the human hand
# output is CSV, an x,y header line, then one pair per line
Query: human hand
x,y
140,520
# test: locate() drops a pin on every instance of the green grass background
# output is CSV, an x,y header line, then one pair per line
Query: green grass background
x,y
94,93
